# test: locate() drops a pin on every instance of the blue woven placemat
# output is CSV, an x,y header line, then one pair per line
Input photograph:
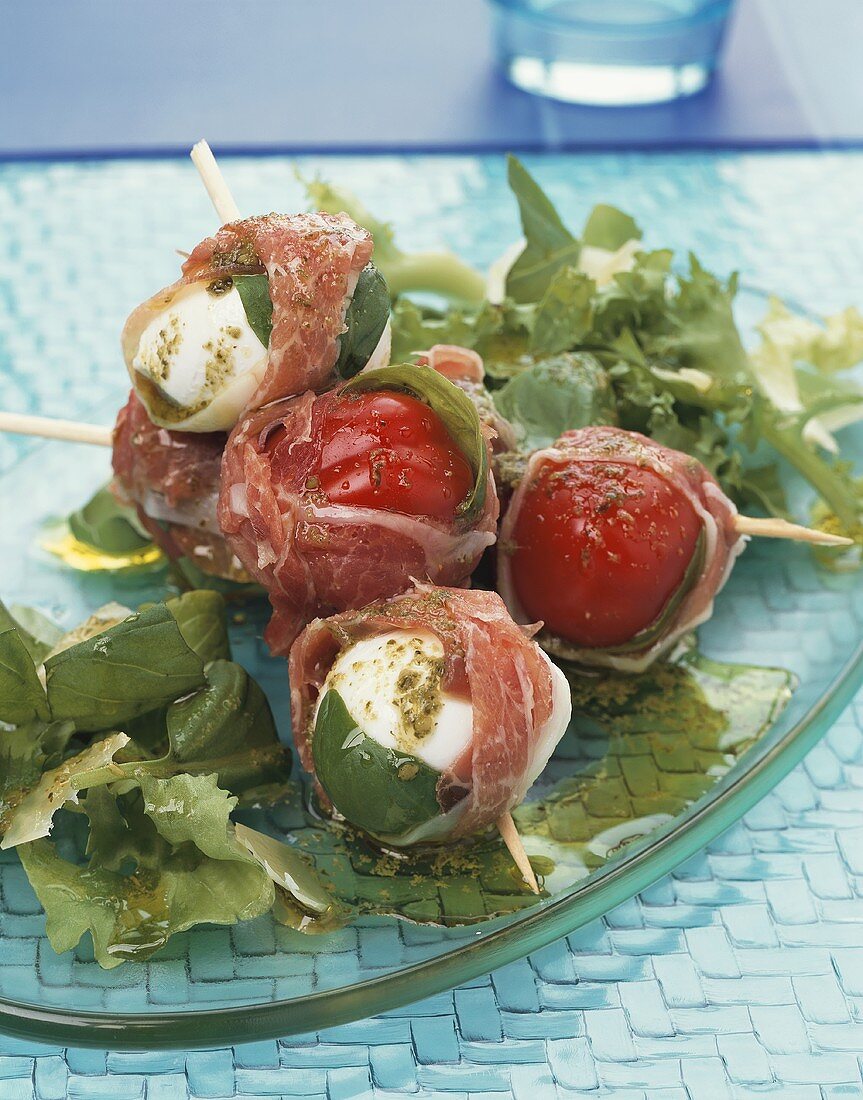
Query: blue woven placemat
x,y
740,974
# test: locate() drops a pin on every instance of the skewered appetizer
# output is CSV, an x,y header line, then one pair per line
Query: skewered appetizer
x,y
617,544
338,500
426,717
267,308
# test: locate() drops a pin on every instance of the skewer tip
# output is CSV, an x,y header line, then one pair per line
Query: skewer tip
x,y
771,528
510,837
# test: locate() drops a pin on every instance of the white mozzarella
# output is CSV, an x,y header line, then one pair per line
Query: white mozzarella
x,y
548,737
390,685
198,361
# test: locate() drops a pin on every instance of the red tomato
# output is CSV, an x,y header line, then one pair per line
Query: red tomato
x,y
600,549
389,450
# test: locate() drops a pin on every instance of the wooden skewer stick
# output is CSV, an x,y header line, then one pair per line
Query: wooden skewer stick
x,y
48,428
214,181
510,837
782,529
228,211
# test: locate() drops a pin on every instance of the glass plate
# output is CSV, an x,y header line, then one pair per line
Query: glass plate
x,y
216,986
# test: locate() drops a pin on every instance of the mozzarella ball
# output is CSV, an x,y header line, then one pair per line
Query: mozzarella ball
x,y
198,361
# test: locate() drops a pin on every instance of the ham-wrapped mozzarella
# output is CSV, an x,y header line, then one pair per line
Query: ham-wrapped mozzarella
x,y
337,500
427,716
172,479
258,315
617,544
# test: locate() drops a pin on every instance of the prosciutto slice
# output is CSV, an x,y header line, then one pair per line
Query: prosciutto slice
x,y
312,262
722,544
315,557
172,479
488,660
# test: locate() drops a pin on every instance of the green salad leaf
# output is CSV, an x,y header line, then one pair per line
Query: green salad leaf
x,y
200,615
138,665
384,792
161,860
549,245
107,525
555,395
22,696
38,633
452,405
565,314
435,272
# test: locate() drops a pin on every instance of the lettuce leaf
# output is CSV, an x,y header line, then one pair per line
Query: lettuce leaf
x,y
161,860
554,395
22,696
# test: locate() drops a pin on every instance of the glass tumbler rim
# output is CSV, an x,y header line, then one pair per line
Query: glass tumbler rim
x,y
711,11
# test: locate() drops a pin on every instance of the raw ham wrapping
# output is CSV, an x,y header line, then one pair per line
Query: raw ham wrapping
x,y
721,542
312,262
488,660
172,479
313,556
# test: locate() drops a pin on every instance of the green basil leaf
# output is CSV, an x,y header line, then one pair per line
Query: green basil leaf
x,y
384,792
565,314
107,525
226,728
200,616
22,697
254,291
555,396
609,228
138,665
549,245
365,321
451,404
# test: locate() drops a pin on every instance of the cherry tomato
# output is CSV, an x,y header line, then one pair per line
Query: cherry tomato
x,y
600,549
388,450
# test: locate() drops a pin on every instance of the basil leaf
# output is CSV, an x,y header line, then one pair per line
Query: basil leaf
x,y
451,404
384,792
107,525
549,245
226,728
200,616
22,697
565,314
557,395
609,228
138,665
158,865
365,321
254,291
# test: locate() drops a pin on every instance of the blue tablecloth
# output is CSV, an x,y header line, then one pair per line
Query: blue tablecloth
x,y
90,75
739,974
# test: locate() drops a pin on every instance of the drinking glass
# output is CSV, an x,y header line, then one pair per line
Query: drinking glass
x,y
610,52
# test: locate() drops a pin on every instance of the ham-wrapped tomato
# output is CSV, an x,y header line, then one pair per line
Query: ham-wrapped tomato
x,y
617,545
267,308
337,500
172,479
425,717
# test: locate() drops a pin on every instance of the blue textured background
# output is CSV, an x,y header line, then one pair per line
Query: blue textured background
x,y
741,973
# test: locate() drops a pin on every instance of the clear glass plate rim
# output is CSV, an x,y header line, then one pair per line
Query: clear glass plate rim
x,y
638,866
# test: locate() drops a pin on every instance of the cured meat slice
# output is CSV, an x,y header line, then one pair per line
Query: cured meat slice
x,y
315,554
520,702
312,263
